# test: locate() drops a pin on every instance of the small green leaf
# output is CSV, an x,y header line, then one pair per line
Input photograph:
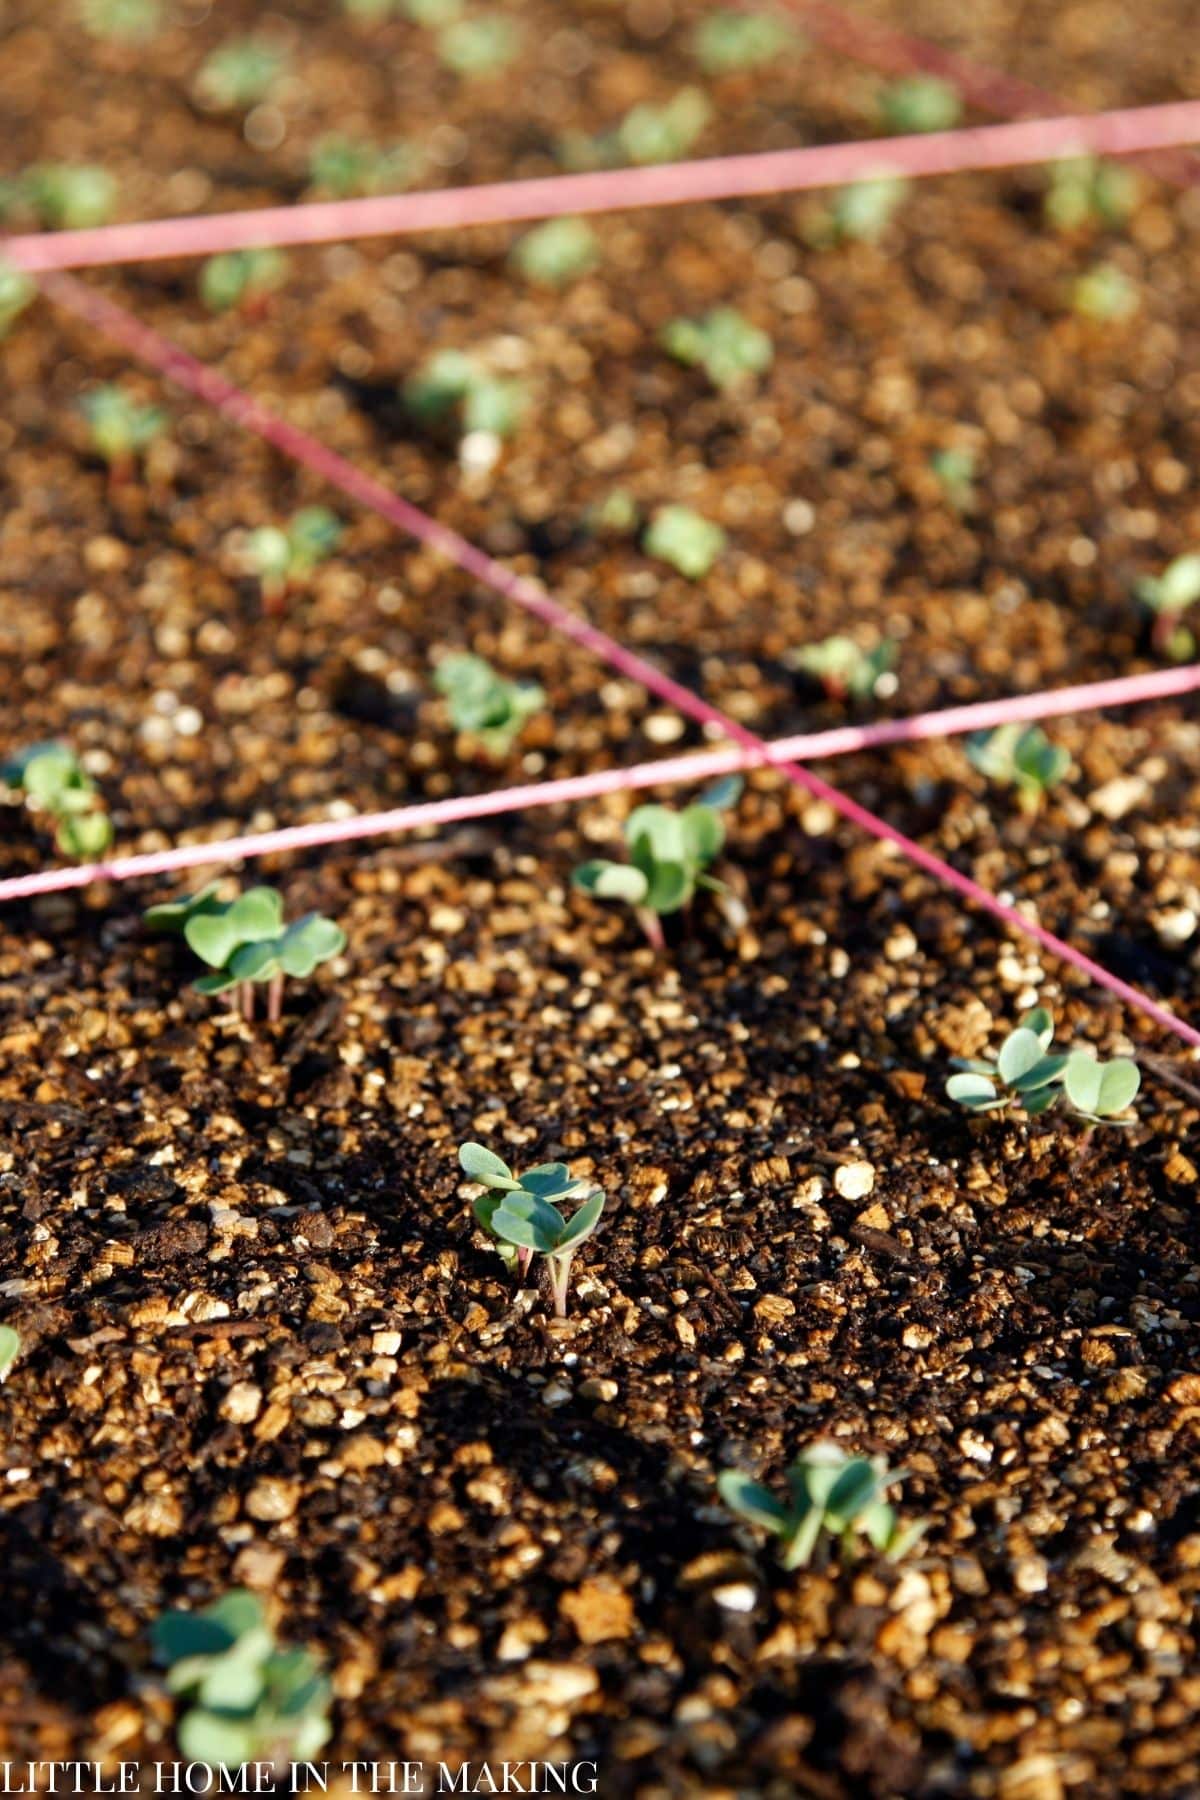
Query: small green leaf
x,y
1041,1023
85,838
723,793
173,915
485,1166
582,1223
203,1737
525,1220
1020,1052
974,1090
856,1486
258,913
10,1345
311,941
219,982
256,962
181,1636
670,887
547,1180
213,936
751,1501
1044,1073
612,881
1100,1089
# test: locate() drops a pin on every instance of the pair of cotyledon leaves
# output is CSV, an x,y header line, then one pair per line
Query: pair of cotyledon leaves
x,y
668,853
1028,1072
51,775
828,1491
520,1210
246,939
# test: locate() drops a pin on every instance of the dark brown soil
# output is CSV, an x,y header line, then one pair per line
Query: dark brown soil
x,y
263,1344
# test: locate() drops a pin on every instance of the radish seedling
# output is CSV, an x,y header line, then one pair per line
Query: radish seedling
x,y
242,278
726,42
239,74
69,197
669,855
345,167
556,253
481,45
16,293
120,428
484,704
956,470
10,1349
830,1494
1084,191
859,213
726,346
844,669
284,558
52,780
245,942
681,537
519,1214
251,1701
1097,1091
919,103
1105,294
1029,1075
123,21
1169,597
453,387
647,134
1019,756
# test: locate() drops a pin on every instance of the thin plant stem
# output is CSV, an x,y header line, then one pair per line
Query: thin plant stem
x,y
275,998
248,1001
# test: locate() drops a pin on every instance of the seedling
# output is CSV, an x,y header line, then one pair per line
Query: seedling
x,y
252,1702
647,134
681,537
482,45
956,471
1019,756
245,942
519,1214
844,669
730,350
919,103
239,74
52,780
860,213
669,856
345,167
10,1349
617,515
831,1495
70,198
16,293
1087,192
726,42
123,21
245,279
1029,1075
483,703
1168,597
120,428
454,386
284,558
556,253
1105,294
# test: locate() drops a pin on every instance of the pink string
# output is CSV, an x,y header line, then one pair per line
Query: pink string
x,y
1124,690
1117,133
207,384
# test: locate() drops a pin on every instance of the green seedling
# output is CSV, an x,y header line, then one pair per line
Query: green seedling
x,y
251,1701
346,167
10,1349
285,557
956,470
484,704
122,21
240,74
669,855
245,942
519,1214
1105,294
681,537
844,669
69,198
1168,597
16,293
121,429
919,103
859,213
454,387
556,253
52,780
1022,757
831,1496
1028,1074
244,279
1086,192
617,515
481,45
726,42
647,134
730,350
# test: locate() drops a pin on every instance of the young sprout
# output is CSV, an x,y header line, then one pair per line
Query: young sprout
x,y
1105,294
70,198
1169,596
121,428
860,213
681,537
1019,756
16,293
245,279
251,1702
617,515
1087,192
669,855
556,253
844,669
654,134
484,704
123,21
956,470
725,42
284,558
453,387
730,350
245,942
239,74
10,1349
53,781
919,103
519,1214
829,1493
1029,1075
345,167
482,45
